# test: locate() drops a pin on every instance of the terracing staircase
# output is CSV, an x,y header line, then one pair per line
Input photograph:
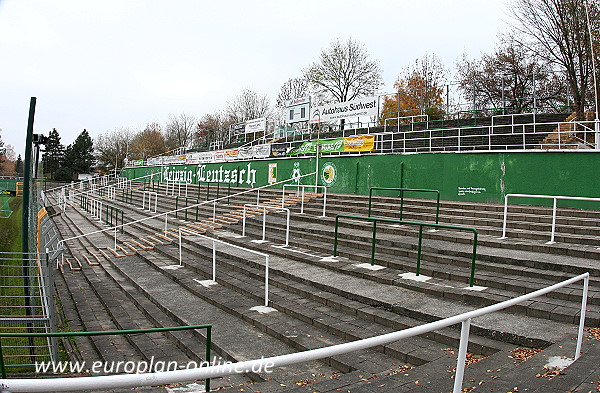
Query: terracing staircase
x,y
565,135
322,300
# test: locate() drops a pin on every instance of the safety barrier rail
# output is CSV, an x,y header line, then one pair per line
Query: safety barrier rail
x,y
214,257
420,225
169,377
264,226
207,348
555,198
304,186
402,191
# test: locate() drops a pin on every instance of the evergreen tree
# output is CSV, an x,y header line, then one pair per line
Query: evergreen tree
x,y
19,167
2,152
54,155
79,155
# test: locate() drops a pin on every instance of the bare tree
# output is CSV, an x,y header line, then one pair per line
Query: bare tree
x,y
556,30
211,128
179,131
248,105
344,72
512,77
293,88
112,147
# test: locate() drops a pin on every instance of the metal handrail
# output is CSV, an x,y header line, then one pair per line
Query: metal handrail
x,y
555,199
304,186
165,214
214,257
185,216
402,190
264,226
421,225
111,333
168,377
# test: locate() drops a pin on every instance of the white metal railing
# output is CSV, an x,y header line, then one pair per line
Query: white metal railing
x,y
214,257
172,184
553,197
264,226
411,118
169,377
303,187
465,140
150,195
166,214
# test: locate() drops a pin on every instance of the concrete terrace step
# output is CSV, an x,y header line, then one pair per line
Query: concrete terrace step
x,y
232,338
505,285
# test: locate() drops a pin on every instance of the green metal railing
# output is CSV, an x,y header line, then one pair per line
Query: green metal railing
x,y
127,196
109,333
401,195
421,225
196,204
113,214
218,190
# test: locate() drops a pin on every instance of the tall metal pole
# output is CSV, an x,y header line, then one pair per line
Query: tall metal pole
x,y
596,121
25,222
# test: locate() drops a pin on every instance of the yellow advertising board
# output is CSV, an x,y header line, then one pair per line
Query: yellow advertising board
x,y
359,143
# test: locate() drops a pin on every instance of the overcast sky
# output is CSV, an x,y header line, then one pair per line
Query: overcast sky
x,y
103,65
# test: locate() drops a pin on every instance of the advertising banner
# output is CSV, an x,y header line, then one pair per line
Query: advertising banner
x,y
256,125
237,128
261,151
279,149
326,146
359,143
245,152
220,156
337,145
344,110
232,154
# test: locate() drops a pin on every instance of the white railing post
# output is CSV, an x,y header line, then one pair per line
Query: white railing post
x,y
505,217
287,232
258,196
264,229
266,280
302,205
166,215
214,261
462,355
115,237
244,222
180,259
214,212
586,282
324,200
553,222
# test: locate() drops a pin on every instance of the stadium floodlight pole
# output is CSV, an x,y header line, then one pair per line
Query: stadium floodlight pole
x,y
596,120
26,217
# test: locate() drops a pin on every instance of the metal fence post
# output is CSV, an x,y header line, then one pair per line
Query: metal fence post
x,y
553,222
419,250
373,243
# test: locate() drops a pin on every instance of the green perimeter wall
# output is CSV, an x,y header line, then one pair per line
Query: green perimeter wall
x,y
472,177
